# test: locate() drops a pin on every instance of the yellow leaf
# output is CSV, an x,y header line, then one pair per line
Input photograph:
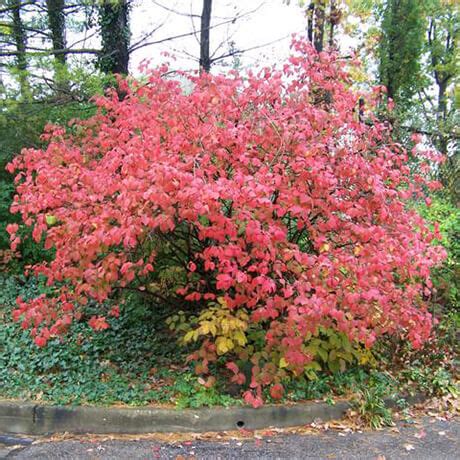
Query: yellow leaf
x,y
244,316
230,344
213,329
225,326
332,355
283,363
50,219
189,336
312,349
311,375
240,338
323,354
208,314
313,366
204,328
221,345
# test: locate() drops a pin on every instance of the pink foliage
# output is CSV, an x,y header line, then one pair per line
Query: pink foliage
x,y
298,210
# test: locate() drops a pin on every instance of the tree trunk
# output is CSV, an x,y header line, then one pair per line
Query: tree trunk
x,y
442,100
442,114
56,22
320,14
115,36
20,39
205,60
334,18
442,77
448,169
310,20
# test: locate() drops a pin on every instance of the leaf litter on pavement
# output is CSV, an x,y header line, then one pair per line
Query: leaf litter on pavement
x,y
440,409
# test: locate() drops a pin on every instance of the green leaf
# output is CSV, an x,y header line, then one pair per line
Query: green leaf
x,y
50,220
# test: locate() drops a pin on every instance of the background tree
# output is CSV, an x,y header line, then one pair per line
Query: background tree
x,y
57,26
19,38
56,22
418,63
402,30
226,48
115,36
205,60
440,110
322,17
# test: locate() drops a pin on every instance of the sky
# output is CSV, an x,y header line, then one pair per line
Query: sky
x,y
266,24
262,27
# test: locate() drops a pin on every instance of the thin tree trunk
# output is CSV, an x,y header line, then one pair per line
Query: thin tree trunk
x,y
389,82
442,79
387,53
442,100
205,60
448,170
442,114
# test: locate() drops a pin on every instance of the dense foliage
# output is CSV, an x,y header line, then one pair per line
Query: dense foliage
x,y
134,362
400,47
446,278
263,210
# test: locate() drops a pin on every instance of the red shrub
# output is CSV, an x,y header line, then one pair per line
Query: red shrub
x,y
268,192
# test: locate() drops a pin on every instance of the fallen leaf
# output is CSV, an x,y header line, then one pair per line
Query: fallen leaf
x,y
421,434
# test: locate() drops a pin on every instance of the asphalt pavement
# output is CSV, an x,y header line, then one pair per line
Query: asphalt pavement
x,y
428,438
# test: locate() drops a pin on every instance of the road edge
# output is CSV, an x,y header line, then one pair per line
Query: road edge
x,y
20,417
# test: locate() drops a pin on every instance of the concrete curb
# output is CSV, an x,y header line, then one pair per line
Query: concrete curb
x,y
34,419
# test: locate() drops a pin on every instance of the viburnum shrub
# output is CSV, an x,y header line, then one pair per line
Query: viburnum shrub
x,y
264,207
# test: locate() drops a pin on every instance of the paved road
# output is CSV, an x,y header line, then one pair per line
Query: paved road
x,y
429,438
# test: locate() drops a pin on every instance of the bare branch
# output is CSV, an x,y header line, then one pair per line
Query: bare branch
x,y
237,52
147,35
194,32
51,51
171,10
29,29
12,7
